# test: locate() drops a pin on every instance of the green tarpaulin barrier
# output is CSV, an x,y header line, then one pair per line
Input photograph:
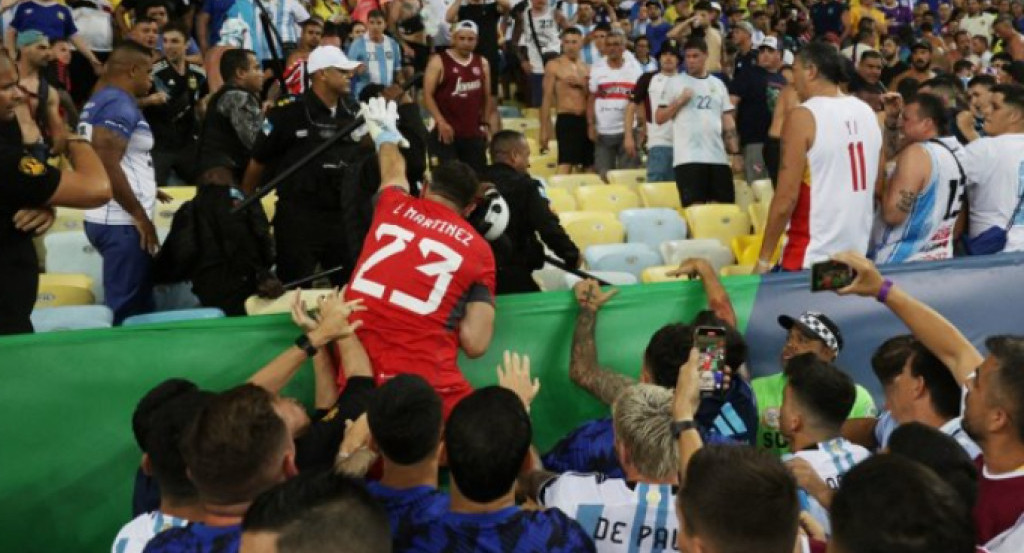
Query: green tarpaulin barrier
x,y
67,449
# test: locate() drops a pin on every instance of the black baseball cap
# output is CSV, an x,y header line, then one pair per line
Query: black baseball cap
x,y
921,45
671,46
817,326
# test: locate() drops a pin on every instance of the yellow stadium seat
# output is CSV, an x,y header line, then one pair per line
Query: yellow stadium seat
x,y
66,279
631,178
256,305
763,191
587,228
521,124
269,205
531,113
543,165
659,274
735,270
561,200
57,295
660,194
744,194
758,215
68,220
165,213
719,221
574,181
606,197
179,193
748,248
535,147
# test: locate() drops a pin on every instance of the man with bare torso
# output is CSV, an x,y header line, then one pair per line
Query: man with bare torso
x,y
43,128
565,86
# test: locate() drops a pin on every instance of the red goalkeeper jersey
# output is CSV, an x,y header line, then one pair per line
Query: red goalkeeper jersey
x,y
421,263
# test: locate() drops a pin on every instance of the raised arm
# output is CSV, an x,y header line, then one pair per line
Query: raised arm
x,y
584,370
933,330
797,136
718,298
685,401
330,324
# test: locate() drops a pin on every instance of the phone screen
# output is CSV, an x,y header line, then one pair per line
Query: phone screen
x,y
831,275
710,344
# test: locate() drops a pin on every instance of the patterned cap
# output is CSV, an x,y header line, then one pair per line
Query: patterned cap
x,y
817,325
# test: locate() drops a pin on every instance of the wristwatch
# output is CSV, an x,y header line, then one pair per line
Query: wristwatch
x,y
678,427
303,343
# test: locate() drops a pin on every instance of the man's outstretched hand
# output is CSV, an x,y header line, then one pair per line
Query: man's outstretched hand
x,y
381,118
589,295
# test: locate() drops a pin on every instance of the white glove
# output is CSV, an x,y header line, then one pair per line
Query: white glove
x,y
381,118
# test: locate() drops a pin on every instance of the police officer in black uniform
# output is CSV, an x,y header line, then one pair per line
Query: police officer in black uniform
x,y
28,190
311,224
518,253
234,251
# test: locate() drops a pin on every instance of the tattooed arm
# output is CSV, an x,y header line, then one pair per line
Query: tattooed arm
x,y
584,371
913,169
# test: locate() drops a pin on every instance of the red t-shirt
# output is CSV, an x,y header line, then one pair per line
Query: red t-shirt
x,y
422,262
1000,501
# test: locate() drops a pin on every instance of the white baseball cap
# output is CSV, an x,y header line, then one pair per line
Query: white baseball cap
x,y
466,25
329,56
769,42
716,6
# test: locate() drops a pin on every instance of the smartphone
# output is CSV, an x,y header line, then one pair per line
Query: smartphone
x,y
831,275
710,344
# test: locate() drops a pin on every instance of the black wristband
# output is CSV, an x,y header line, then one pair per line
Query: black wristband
x,y
678,427
303,343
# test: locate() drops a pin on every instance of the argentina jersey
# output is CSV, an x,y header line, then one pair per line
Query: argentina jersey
x,y
410,507
927,232
831,460
381,61
508,530
620,517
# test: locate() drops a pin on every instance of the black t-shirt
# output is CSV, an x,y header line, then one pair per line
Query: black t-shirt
x,y
317,448
745,62
758,91
27,182
174,124
177,7
890,72
486,17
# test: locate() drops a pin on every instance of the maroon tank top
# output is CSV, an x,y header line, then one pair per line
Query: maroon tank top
x,y
460,95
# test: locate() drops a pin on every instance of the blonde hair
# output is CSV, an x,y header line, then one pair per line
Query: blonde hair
x,y
642,416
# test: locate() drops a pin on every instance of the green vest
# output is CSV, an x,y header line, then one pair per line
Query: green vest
x,y
768,391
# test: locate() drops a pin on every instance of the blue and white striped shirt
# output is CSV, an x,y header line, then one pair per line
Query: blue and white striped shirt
x,y
381,59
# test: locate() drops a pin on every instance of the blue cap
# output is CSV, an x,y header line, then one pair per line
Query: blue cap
x,y
29,37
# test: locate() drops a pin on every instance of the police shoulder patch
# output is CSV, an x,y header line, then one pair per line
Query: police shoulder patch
x,y
31,166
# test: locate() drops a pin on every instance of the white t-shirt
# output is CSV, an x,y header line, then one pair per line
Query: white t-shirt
x,y
547,36
618,517
835,209
831,460
658,135
134,536
995,173
612,89
697,127
287,14
980,24
95,26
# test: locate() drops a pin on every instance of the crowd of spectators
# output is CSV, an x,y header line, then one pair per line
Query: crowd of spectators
x,y
891,131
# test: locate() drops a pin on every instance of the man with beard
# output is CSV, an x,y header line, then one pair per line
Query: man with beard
x,y
920,65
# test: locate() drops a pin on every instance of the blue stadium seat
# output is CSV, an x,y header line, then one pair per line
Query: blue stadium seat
x,y
622,258
72,317
174,316
675,252
652,226
509,111
170,297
